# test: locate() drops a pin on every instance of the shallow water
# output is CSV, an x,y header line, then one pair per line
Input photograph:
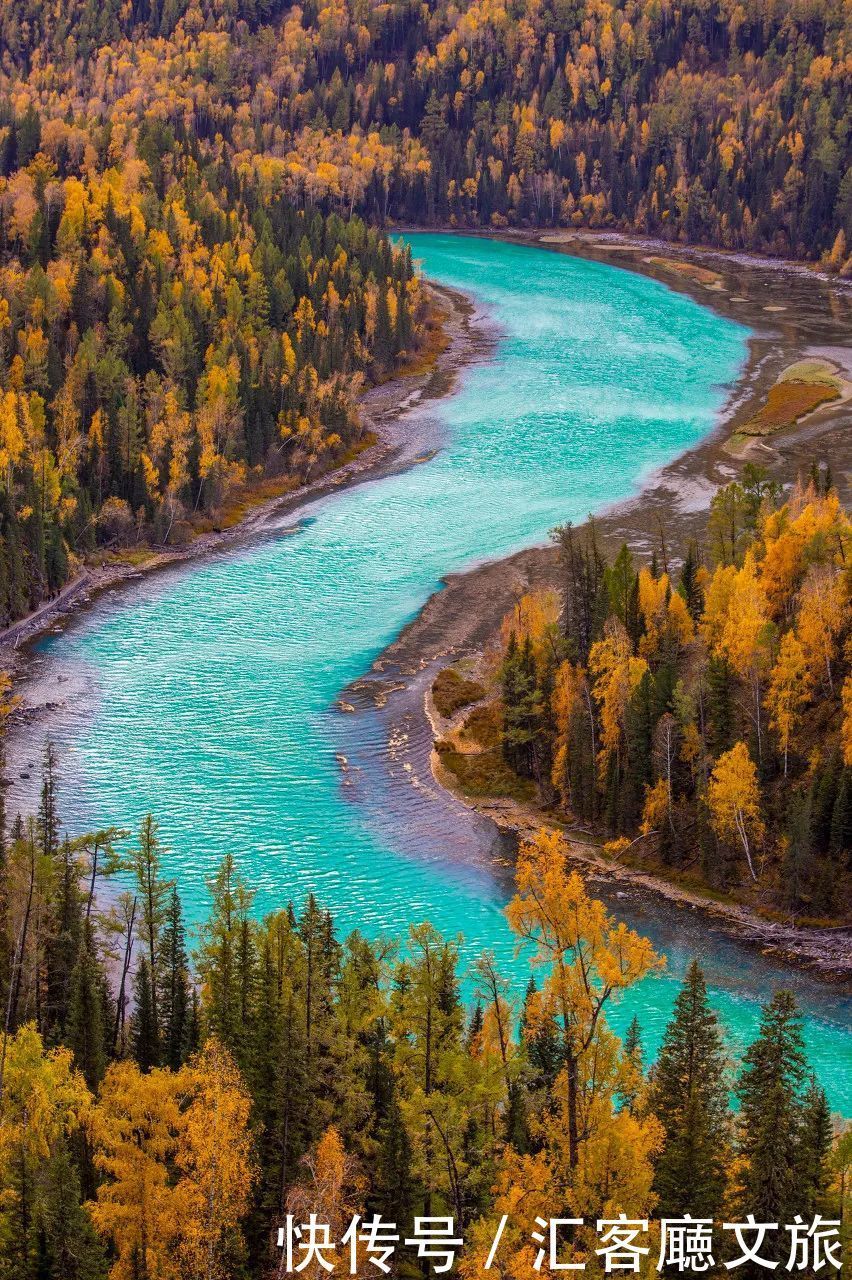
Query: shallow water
x,y
206,694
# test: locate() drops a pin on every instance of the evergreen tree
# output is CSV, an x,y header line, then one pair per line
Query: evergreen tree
x,y
87,1013
770,1122
798,866
144,1038
690,584
153,896
688,1094
633,1052
69,1248
221,961
812,1157
175,1000
65,941
48,809
720,705
543,1048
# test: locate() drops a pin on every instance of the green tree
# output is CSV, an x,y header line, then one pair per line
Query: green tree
x,y
770,1091
153,892
144,1037
175,997
814,1152
688,1094
87,1013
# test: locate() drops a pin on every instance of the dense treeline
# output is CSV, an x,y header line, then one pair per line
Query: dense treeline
x,y
167,331
186,296
282,1071
701,717
725,122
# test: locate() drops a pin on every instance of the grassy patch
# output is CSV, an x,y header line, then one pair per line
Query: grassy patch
x,y
483,726
691,271
137,556
811,371
486,774
452,691
787,402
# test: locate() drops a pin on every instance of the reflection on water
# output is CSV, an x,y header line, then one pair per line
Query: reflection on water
x,y
207,694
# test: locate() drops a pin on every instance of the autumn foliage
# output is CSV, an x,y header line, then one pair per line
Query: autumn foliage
x,y
705,721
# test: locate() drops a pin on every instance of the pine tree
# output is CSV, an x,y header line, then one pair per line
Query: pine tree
x,y
476,1022
544,1051
66,931
635,1057
221,959
174,987
770,1122
144,1038
688,1094
690,585
720,704
620,578
48,810
153,894
840,837
798,866
396,1189
87,1014
812,1157
69,1245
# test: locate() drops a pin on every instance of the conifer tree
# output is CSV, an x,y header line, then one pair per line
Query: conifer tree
x,y
543,1048
812,1157
720,704
690,584
635,1057
87,1014
688,1094
770,1121
153,897
65,940
144,1038
48,809
223,960
174,987
69,1248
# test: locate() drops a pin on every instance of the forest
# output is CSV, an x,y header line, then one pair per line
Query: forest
x,y
168,333
715,121
188,298
163,1112
699,716
198,279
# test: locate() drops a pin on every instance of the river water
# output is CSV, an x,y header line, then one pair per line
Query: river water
x,y
207,694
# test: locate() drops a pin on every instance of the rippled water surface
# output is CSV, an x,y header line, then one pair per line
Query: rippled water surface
x,y
206,694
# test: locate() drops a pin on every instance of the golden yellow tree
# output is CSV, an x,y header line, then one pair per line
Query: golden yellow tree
x,y
746,638
42,1097
134,1130
616,677
214,1156
790,687
589,957
733,797
334,1191
176,1152
823,610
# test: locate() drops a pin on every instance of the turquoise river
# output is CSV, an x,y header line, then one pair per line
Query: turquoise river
x,y
207,694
